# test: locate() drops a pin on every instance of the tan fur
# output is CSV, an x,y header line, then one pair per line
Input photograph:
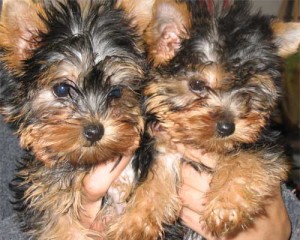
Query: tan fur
x,y
241,187
214,75
61,201
13,26
287,37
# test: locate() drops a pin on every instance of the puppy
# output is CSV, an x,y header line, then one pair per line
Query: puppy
x,y
215,84
71,72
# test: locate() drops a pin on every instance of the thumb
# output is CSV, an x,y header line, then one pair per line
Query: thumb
x,y
97,181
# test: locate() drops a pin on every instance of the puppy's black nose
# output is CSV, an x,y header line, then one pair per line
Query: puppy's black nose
x,y
93,133
225,129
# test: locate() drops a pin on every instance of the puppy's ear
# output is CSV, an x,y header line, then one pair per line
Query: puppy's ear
x,y
140,12
287,37
20,26
169,25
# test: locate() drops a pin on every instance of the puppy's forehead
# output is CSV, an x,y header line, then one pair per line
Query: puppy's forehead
x,y
227,56
112,70
208,51
80,38
74,59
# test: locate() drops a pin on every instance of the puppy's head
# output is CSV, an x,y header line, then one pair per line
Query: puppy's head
x,y
73,75
218,71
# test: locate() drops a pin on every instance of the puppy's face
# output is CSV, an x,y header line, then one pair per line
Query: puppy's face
x,y
75,87
222,82
195,111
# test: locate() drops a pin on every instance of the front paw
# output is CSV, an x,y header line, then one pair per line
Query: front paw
x,y
221,220
230,210
134,228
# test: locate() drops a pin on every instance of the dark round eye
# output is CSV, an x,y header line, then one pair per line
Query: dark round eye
x,y
197,85
61,90
115,92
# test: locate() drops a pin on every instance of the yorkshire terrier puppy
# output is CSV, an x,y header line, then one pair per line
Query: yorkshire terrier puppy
x,y
215,85
71,72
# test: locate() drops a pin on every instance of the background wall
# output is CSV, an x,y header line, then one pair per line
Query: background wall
x,y
268,6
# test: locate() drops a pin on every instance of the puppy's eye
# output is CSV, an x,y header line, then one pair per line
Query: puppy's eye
x,y
116,92
61,90
197,85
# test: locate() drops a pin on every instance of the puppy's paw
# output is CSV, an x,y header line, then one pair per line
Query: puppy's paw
x,y
231,208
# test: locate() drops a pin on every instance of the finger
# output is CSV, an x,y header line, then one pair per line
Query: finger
x,y
97,181
95,185
198,155
194,179
192,220
117,170
192,198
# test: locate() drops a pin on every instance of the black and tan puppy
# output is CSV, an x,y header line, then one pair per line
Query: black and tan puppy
x,y
71,72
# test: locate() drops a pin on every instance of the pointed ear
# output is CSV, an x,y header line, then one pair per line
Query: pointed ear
x,y
287,37
169,25
20,26
140,12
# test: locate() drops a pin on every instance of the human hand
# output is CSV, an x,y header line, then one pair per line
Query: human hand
x,y
94,188
274,225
